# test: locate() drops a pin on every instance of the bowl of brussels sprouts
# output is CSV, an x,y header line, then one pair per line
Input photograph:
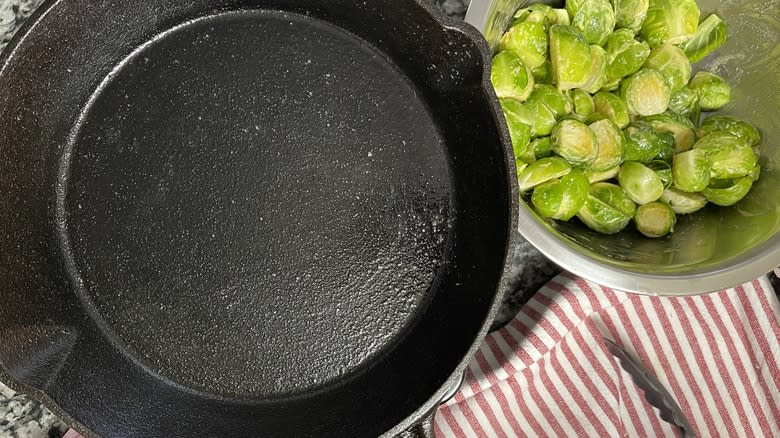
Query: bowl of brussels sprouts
x,y
645,135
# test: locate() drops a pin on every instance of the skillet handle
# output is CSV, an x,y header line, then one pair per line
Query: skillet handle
x,y
423,429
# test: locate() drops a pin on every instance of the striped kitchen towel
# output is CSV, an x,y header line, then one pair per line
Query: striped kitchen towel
x,y
549,372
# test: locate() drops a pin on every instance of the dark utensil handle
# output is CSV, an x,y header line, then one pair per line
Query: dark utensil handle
x,y
423,429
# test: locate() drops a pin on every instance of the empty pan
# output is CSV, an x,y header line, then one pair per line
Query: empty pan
x,y
228,218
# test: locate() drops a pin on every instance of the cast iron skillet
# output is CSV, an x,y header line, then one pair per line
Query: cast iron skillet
x,y
247,218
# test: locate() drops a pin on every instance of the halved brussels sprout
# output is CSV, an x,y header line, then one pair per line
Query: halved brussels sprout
x,y
570,57
608,209
537,12
594,18
597,71
558,103
691,170
730,157
541,147
562,198
683,202
607,175
664,171
518,120
543,74
670,21
644,143
673,64
612,107
528,40
610,140
655,219
630,14
729,192
576,142
714,92
685,103
544,118
640,182
625,55
541,171
710,35
744,130
583,103
510,76
646,93
682,128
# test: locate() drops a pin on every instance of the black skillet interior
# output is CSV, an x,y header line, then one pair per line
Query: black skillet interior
x,y
246,218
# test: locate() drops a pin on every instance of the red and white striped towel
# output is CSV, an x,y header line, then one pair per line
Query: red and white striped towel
x,y
549,373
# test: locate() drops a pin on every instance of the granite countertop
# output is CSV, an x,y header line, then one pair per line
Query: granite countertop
x,y
21,417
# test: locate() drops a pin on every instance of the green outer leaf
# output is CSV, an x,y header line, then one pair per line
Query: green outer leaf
x,y
710,35
744,130
673,64
728,196
625,55
730,157
670,21
630,14
562,199
691,170
529,41
714,92
510,76
541,171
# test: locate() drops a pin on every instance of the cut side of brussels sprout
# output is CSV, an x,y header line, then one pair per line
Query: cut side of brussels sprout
x,y
728,193
594,18
518,120
691,171
646,93
673,64
544,119
549,96
710,35
682,128
730,157
610,140
607,175
655,219
608,209
685,103
570,57
541,171
713,91
582,103
562,198
612,107
625,56
630,14
683,202
640,182
670,21
528,40
510,76
541,147
739,128
597,71
575,142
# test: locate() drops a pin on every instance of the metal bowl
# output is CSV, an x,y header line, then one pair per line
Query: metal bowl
x,y
715,248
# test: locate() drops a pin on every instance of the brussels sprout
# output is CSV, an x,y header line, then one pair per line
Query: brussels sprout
x,y
756,173
597,71
682,128
625,55
543,74
561,199
646,93
583,103
655,219
612,107
595,18
608,209
644,143
728,193
685,103
664,171
510,76
672,63
520,165
558,103
610,140
527,40
691,170
606,175
612,85
713,91
544,119
744,130
561,17
640,182
570,57
710,35
630,14
670,21
541,171
518,120
541,147
730,157
683,202
576,142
